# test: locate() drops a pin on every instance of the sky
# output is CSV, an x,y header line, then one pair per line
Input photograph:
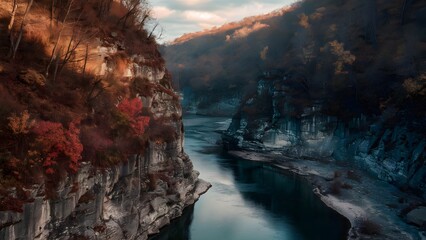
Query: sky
x,y
177,17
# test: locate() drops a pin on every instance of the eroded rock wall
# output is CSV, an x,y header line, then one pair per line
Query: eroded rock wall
x,y
129,201
393,152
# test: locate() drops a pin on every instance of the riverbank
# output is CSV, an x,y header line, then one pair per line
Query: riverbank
x,y
372,206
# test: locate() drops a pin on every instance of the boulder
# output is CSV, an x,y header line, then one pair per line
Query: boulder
x,y
417,216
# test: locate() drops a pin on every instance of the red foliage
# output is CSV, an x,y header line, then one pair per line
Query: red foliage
x,y
55,143
132,109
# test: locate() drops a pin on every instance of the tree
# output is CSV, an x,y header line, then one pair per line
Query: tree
x,y
138,12
55,47
343,57
14,44
132,109
12,16
55,143
104,6
20,125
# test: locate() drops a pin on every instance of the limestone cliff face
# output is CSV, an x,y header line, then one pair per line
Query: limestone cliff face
x,y
129,201
394,151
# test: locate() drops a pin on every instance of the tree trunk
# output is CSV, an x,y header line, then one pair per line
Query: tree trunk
x,y
12,16
52,55
85,60
58,62
21,31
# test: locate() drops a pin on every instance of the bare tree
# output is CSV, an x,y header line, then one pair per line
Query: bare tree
x,y
12,16
138,13
144,16
160,33
133,8
86,56
15,43
96,90
104,6
53,54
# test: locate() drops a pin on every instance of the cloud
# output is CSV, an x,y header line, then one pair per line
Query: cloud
x,y
192,2
182,16
204,18
161,12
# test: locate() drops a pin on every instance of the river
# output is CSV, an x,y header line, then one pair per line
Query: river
x,y
248,200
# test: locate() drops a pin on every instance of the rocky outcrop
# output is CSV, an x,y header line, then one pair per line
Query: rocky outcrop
x,y
131,200
417,216
391,146
116,203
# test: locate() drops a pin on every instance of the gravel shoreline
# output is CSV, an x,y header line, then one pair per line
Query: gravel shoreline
x,y
372,206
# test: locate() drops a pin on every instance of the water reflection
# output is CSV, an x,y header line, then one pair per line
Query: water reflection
x,y
178,228
248,200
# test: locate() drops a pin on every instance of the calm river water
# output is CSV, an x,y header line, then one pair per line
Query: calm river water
x,y
248,201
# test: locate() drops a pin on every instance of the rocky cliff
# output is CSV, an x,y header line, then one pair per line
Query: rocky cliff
x,y
391,145
129,201
132,176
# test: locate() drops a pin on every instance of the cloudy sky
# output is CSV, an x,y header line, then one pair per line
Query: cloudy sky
x,y
177,17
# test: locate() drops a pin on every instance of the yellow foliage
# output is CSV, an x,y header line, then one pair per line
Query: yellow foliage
x,y
20,124
343,57
304,20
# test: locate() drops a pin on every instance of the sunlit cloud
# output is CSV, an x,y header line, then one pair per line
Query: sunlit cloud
x,y
183,16
204,18
192,2
161,12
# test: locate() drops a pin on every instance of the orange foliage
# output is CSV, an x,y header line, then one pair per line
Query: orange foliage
x,y
20,124
343,57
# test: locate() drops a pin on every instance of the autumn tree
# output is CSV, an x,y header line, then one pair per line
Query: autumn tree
x,y
132,109
55,145
20,125
344,57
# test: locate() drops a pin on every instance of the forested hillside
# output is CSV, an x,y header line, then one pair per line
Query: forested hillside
x,y
356,56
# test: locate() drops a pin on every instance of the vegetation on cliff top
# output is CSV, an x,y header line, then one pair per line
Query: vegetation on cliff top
x,y
357,57
56,108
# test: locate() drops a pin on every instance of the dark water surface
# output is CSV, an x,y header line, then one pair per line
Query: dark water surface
x,y
248,200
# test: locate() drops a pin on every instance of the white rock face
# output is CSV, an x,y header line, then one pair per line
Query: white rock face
x,y
128,201
268,123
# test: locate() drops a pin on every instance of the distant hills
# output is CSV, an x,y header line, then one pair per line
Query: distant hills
x,y
357,56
